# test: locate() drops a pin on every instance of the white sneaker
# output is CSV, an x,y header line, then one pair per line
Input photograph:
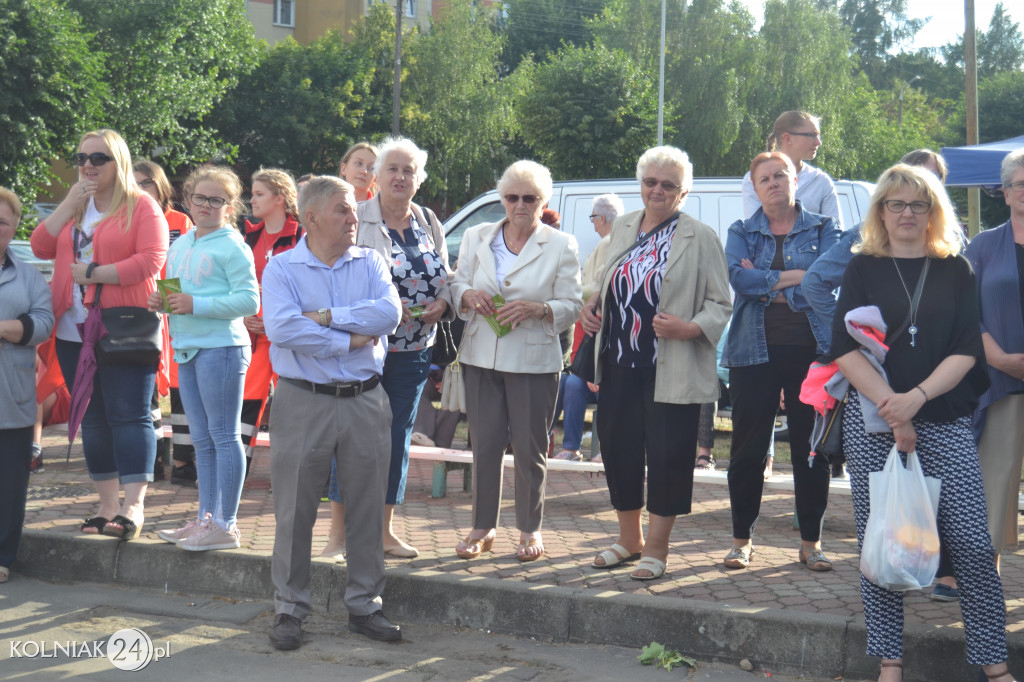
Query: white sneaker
x,y
212,537
178,534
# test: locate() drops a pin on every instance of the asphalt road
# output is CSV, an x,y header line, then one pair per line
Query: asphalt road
x,y
57,631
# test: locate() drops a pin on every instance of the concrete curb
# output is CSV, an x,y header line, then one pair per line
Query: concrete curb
x,y
782,641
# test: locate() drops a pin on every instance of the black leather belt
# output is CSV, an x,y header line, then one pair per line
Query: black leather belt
x,y
349,390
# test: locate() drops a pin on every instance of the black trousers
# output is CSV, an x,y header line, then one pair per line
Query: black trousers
x,y
15,457
755,404
634,430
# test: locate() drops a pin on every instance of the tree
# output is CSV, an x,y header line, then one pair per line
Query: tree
x,y
1000,48
457,107
167,64
876,27
590,112
373,37
51,84
301,108
540,27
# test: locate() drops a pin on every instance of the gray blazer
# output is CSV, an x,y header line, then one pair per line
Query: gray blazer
x,y
24,294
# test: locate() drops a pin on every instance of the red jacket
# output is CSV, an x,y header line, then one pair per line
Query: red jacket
x,y
138,253
285,240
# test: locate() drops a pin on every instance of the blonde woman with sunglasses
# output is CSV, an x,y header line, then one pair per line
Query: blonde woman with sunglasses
x,y
524,276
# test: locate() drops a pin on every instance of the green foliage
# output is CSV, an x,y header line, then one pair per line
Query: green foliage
x,y
876,27
457,109
590,113
657,655
51,84
301,108
374,39
1000,48
167,64
541,27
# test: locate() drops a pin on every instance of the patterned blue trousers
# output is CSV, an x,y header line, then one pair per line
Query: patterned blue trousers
x,y
947,452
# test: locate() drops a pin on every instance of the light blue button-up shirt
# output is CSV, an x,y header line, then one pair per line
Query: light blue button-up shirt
x,y
362,299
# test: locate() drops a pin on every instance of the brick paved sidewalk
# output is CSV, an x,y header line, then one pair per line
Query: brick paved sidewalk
x,y
578,523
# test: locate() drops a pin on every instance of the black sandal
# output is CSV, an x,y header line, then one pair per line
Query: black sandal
x,y
122,528
705,463
97,522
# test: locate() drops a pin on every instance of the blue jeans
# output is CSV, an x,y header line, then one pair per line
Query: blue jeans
x,y
576,396
211,391
405,373
117,429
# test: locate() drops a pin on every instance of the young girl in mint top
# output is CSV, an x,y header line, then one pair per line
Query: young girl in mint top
x,y
211,347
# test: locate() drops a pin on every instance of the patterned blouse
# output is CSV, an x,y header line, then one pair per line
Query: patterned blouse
x,y
636,292
418,273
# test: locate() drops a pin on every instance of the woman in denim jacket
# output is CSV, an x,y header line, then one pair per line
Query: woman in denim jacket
x,y
773,338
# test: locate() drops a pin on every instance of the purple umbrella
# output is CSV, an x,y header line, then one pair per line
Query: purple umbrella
x,y
81,388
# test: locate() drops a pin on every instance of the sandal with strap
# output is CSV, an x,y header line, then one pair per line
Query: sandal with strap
x,y
522,552
471,547
94,526
569,456
998,676
123,528
816,560
656,568
738,557
705,463
614,556
892,664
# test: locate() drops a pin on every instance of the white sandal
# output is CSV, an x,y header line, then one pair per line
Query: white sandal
x,y
615,556
649,563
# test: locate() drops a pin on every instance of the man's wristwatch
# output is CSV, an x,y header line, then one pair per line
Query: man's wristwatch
x,y
547,309
322,312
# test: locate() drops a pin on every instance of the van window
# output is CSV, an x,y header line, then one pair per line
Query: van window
x,y
488,213
846,210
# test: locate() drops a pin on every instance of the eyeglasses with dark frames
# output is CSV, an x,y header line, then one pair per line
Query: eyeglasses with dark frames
x,y
212,202
147,183
916,207
816,135
665,184
528,199
97,159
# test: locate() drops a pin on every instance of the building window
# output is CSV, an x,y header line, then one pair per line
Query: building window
x,y
284,12
410,8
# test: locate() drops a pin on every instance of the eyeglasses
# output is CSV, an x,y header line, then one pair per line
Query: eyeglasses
x,y
815,135
917,207
528,199
594,215
665,184
147,183
1015,186
97,159
212,202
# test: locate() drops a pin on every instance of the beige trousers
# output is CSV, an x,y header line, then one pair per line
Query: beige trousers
x,y
1001,452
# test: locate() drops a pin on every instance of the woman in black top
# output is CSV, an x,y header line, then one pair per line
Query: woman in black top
x,y
926,400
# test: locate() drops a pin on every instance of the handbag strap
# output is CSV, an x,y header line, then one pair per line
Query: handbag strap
x,y
914,301
647,237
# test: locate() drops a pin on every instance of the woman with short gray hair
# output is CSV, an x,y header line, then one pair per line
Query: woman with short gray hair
x,y
661,307
517,286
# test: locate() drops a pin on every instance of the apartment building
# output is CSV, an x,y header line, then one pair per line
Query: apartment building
x,y
307,20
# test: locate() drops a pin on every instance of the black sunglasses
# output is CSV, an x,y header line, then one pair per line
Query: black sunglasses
x,y
97,159
528,199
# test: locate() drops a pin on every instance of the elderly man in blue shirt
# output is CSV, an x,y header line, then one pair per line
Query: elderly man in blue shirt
x,y
328,307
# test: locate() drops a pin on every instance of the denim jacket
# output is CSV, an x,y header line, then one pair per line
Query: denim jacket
x,y
811,236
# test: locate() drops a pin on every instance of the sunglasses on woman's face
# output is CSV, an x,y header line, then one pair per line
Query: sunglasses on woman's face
x,y
528,199
97,159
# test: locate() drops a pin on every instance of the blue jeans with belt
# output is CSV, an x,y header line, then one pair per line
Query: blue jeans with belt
x,y
405,373
117,429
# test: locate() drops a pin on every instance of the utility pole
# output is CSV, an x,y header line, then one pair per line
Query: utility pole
x,y
661,82
902,90
397,93
971,94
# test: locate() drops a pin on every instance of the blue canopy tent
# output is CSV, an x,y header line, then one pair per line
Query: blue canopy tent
x,y
978,165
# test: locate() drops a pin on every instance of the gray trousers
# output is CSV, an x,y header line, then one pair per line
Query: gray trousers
x,y
500,406
311,430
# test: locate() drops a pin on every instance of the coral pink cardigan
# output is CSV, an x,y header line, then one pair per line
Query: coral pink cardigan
x,y
138,253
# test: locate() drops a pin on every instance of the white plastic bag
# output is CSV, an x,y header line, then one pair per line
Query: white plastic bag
x,y
453,390
901,542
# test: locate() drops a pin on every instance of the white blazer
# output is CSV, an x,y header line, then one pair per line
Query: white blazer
x,y
547,270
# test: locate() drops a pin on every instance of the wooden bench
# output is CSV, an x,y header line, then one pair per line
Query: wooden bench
x,y
449,459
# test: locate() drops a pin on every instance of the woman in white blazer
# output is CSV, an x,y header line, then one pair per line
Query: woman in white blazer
x,y
512,380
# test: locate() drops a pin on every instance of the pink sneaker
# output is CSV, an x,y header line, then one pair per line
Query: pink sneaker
x,y
178,534
212,537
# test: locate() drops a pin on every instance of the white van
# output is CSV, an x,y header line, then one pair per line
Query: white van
x,y
714,201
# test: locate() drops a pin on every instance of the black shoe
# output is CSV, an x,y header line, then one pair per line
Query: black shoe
x,y
286,633
184,475
375,626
